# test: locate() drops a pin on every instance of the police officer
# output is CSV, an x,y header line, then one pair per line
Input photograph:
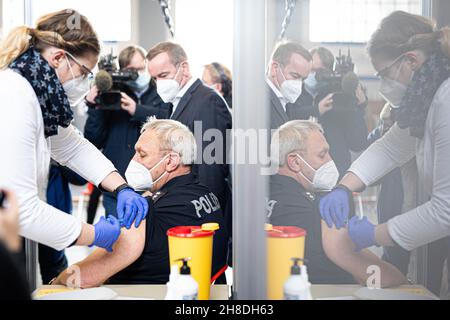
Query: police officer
x,y
295,192
162,165
305,171
116,131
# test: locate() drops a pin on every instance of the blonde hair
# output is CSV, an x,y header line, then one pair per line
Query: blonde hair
x,y
53,29
215,74
401,32
290,137
173,136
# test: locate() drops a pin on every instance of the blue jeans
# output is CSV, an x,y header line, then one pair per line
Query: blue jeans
x,y
110,204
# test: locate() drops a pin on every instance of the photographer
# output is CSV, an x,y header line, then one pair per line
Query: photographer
x,y
338,101
117,131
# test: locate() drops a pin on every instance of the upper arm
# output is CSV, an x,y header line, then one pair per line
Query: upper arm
x,y
393,150
19,168
341,251
101,265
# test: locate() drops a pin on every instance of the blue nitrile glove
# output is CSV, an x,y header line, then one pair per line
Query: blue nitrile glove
x,y
107,231
362,233
335,207
131,207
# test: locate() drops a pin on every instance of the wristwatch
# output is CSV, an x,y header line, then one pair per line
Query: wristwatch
x,y
122,187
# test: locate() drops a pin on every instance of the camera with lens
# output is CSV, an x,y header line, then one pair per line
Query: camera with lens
x,y
342,82
110,81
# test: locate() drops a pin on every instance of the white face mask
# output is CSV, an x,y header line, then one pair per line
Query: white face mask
x,y
76,88
140,178
393,91
291,89
168,88
325,178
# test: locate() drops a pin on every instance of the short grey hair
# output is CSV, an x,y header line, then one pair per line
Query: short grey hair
x,y
290,137
174,136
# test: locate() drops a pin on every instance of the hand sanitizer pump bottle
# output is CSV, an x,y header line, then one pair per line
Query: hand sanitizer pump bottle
x,y
297,286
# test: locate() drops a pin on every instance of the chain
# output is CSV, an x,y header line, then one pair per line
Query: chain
x,y
289,8
165,7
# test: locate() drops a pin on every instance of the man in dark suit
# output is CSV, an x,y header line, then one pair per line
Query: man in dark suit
x,y
199,108
289,66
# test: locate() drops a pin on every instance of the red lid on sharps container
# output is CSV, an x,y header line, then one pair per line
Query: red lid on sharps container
x,y
205,230
285,232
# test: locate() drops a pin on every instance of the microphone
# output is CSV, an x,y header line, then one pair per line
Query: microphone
x,y
103,81
349,83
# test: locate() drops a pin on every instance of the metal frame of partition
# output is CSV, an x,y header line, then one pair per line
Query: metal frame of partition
x,y
249,186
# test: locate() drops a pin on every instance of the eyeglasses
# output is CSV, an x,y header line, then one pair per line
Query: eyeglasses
x,y
87,73
383,72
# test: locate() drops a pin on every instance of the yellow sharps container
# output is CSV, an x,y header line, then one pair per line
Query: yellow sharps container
x,y
196,243
283,244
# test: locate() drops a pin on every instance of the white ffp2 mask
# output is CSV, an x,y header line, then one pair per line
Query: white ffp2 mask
x,y
325,178
392,91
291,89
168,88
76,88
139,177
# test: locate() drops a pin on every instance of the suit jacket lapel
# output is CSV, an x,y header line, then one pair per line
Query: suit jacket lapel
x,y
277,106
185,100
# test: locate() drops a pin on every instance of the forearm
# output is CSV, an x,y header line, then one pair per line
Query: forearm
x,y
382,236
89,273
98,267
389,275
87,235
112,181
352,182
340,249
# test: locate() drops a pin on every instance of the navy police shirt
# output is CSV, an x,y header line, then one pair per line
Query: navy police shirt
x,y
182,201
291,205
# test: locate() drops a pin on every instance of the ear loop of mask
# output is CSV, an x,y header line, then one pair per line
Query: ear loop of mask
x,y
70,67
281,71
176,74
301,173
165,172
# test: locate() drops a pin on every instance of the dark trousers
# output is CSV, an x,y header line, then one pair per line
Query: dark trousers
x,y
51,262
438,253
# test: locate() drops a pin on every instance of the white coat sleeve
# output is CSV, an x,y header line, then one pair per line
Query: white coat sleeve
x,y
38,221
393,150
70,149
431,220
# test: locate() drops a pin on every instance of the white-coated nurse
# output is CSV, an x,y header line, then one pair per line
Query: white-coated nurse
x,y
43,74
412,60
